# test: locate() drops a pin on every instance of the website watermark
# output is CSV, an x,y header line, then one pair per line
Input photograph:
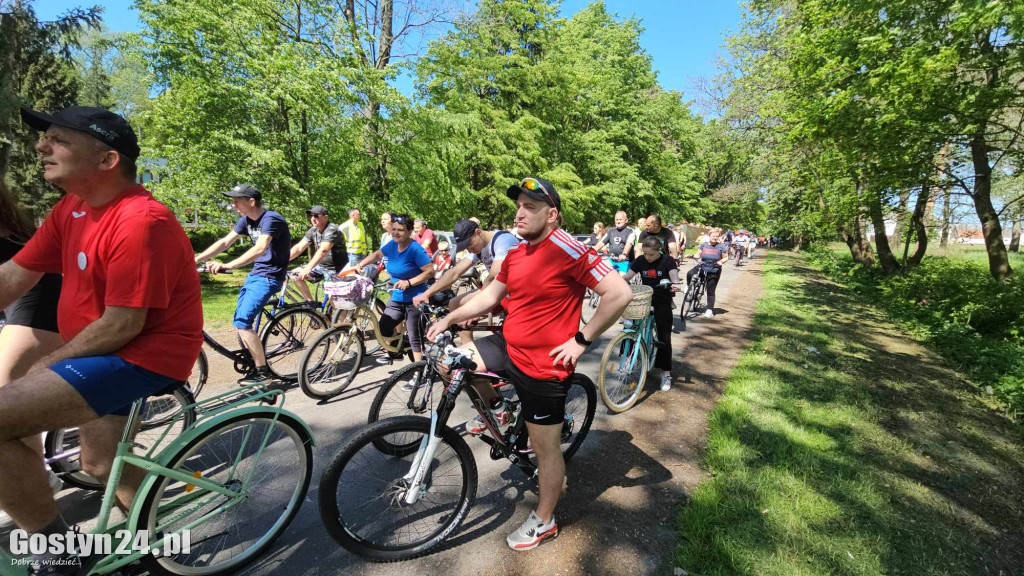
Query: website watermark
x,y
122,542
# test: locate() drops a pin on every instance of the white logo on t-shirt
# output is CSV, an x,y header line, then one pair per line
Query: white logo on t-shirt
x,y
82,261
78,214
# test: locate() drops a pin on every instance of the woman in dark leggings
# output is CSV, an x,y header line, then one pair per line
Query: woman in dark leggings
x,y
31,330
653,267
410,269
712,254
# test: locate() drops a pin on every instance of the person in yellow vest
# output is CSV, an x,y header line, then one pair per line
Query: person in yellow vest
x,y
356,242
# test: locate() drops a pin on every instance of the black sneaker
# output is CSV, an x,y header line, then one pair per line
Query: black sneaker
x,y
259,376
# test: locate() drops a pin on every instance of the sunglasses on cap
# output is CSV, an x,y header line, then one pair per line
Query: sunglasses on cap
x,y
401,220
533,184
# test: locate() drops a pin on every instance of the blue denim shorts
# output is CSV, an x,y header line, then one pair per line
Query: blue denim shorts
x,y
255,293
109,384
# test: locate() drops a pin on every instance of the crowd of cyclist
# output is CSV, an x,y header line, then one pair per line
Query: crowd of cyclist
x,y
127,321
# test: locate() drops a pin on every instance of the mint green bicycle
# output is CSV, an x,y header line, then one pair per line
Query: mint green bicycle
x,y
232,470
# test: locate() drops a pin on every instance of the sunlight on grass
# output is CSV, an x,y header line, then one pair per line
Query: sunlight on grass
x,y
841,448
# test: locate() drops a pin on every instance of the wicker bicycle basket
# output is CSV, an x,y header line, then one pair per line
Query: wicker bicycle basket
x,y
640,306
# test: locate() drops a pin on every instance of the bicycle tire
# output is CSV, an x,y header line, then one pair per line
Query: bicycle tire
x,y
326,362
294,327
63,440
186,457
618,351
395,402
342,524
200,373
580,400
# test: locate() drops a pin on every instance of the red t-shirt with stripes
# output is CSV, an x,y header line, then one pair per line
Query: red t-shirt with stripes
x,y
546,282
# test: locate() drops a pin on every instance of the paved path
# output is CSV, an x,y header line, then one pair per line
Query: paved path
x,y
625,484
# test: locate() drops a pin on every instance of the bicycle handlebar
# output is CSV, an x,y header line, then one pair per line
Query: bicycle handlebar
x,y
202,270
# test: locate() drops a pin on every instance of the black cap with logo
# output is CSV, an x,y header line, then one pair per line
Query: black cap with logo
x,y
538,189
103,125
463,231
244,191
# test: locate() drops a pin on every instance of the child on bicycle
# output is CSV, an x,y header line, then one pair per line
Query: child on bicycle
x,y
653,267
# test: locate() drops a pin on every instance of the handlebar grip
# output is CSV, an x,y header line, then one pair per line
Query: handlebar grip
x,y
467,363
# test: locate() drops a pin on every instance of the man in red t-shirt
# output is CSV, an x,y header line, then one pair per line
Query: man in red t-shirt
x,y
544,279
424,236
130,311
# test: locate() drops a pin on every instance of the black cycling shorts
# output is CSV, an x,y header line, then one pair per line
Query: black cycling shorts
x,y
542,401
38,307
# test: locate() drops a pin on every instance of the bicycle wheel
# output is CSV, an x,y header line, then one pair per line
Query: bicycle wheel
x,y
464,285
200,372
330,363
392,401
62,445
362,491
285,339
231,453
580,405
623,372
590,303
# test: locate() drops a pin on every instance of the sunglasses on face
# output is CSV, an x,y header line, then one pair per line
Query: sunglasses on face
x,y
533,185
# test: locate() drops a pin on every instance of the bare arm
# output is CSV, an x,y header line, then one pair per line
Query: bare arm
x,y
424,276
218,247
105,335
371,259
615,295
299,248
628,276
446,280
258,249
15,281
479,305
673,249
319,255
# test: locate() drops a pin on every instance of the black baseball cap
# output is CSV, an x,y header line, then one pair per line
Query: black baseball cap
x,y
101,124
463,231
317,210
244,191
535,188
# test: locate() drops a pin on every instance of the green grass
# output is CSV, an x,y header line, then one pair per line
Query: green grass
x,y
863,456
220,294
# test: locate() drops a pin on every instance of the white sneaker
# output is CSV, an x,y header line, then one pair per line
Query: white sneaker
x,y
708,313
56,485
531,533
666,382
413,383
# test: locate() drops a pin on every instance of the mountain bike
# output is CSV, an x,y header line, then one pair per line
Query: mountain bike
x,y
630,355
235,477
283,329
401,486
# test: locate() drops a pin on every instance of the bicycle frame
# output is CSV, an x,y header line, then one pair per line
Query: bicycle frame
x,y
647,335
156,467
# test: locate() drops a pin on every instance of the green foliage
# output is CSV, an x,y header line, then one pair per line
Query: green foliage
x,y
970,318
36,70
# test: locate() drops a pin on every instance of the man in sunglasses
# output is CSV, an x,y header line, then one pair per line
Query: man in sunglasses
x,y
544,280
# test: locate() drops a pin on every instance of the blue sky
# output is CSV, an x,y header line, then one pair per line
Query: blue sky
x,y
682,36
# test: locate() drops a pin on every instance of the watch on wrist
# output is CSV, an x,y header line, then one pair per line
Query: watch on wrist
x,y
581,340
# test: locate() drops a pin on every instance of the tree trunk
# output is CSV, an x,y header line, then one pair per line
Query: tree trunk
x,y
919,222
998,259
798,242
1015,236
857,242
889,264
901,219
947,215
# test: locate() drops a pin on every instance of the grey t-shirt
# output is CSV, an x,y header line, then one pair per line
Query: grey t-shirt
x,y
337,257
618,240
497,248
